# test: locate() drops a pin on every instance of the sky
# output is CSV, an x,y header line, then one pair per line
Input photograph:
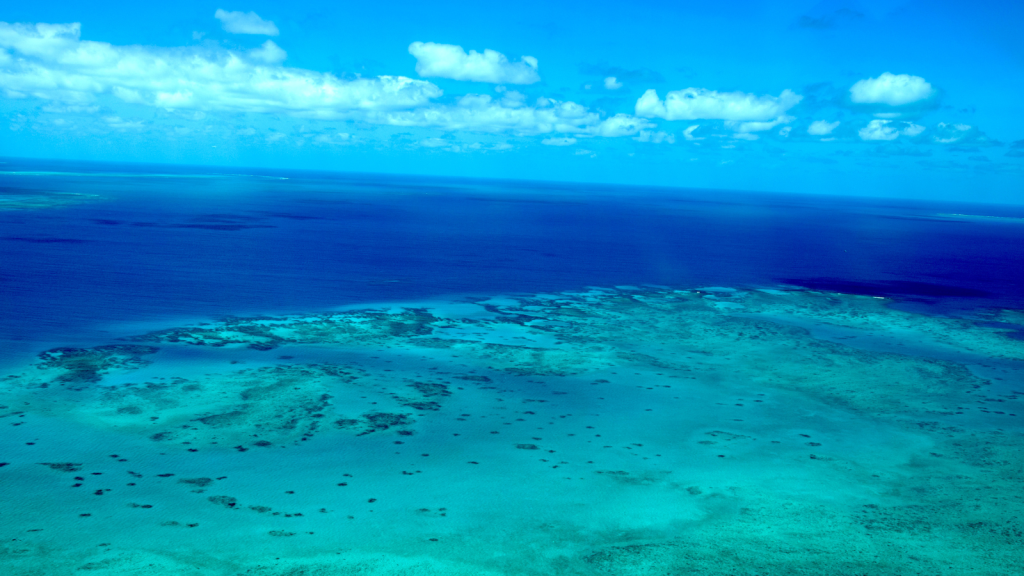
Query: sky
x,y
918,99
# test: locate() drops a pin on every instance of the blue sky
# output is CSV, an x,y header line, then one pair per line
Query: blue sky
x,y
904,99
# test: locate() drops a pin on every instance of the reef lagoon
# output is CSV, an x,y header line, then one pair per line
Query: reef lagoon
x,y
268,373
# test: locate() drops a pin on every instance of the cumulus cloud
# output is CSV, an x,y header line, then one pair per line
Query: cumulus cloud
x,y
757,126
703,104
482,113
950,133
886,130
611,83
450,61
879,130
558,141
245,23
268,53
50,62
912,129
891,89
688,133
620,125
822,127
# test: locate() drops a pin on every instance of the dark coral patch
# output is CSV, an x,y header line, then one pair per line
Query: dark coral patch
x,y
226,501
63,466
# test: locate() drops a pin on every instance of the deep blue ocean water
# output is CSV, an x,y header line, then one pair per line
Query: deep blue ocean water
x,y
162,243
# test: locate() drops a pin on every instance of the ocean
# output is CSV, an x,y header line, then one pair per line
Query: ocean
x,y
228,371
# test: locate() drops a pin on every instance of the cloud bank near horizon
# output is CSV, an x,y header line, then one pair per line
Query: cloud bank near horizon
x,y
52,64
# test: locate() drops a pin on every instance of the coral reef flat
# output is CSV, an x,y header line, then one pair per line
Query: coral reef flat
x,y
605,431
29,199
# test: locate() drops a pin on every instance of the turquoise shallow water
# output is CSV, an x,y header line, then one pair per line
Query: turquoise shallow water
x,y
611,431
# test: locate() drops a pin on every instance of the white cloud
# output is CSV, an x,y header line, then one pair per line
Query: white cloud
x,y
482,113
268,53
655,137
885,130
822,127
688,133
757,126
879,130
891,89
949,133
702,104
785,131
620,125
434,143
583,152
912,130
558,141
611,83
513,99
450,61
245,23
502,146
53,64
